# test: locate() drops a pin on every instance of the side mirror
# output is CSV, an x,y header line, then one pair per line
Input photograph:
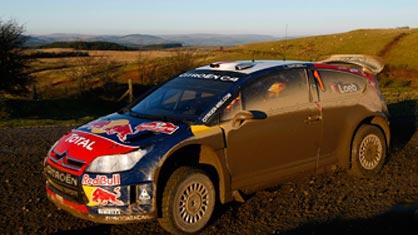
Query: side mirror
x,y
243,116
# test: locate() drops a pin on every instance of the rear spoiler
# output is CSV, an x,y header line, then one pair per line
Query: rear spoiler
x,y
369,63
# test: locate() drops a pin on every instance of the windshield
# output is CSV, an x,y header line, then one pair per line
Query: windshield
x,y
182,98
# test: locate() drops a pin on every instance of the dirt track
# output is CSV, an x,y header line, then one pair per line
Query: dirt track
x,y
330,203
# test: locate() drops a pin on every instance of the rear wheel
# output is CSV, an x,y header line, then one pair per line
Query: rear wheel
x,y
368,151
188,201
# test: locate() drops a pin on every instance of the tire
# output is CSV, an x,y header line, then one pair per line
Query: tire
x,y
368,151
188,201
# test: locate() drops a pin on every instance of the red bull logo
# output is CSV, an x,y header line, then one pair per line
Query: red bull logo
x,y
160,127
101,180
120,127
104,197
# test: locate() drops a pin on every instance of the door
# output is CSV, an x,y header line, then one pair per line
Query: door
x,y
341,113
285,142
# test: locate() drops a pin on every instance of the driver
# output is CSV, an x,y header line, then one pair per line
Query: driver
x,y
275,90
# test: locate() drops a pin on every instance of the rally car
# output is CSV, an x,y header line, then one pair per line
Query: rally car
x,y
213,133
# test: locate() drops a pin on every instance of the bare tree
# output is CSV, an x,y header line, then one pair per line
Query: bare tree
x,y
13,62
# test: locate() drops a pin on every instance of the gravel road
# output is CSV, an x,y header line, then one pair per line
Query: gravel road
x,y
328,203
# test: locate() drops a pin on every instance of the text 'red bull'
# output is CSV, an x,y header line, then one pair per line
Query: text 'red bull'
x,y
101,180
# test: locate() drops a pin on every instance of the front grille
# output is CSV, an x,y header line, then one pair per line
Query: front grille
x,y
69,191
66,161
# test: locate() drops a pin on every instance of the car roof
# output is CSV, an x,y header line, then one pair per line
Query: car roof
x,y
248,66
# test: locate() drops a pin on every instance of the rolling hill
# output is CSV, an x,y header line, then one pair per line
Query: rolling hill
x,y
398,47
217,39
138,40
133,40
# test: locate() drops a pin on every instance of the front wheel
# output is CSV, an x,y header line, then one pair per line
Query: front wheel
x,y
368,151
188,201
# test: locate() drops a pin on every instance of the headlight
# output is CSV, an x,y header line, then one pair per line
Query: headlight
x,y
115,163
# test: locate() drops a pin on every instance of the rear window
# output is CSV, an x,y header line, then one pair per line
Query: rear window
x,y
340,84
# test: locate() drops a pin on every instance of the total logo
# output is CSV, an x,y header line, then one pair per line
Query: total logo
x,y
122,128
80,141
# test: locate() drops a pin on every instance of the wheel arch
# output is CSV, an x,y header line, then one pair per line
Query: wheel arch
x,y
383,124
378,120
195,155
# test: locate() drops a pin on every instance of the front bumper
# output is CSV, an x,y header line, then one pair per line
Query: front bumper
x,y
110,214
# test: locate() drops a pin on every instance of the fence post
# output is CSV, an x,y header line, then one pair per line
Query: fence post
x,y
34,93
131,96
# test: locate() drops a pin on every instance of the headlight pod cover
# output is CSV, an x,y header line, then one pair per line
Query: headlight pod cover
x,y
117,162
52,147
49,152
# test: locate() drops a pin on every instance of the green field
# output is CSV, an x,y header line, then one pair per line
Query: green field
x,y
371,42
397,47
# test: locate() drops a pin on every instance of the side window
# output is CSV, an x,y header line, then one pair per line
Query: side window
x,y
231,109
281,89
340,84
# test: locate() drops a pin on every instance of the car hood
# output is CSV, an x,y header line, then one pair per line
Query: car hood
x,y
112,134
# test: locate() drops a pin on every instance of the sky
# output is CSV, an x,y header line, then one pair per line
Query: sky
x,y
213,16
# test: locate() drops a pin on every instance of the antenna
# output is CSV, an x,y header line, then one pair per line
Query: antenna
x,y
285,43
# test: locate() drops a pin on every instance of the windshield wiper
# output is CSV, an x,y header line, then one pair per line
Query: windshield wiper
x,y
139,115
164,118
123,110
151,117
